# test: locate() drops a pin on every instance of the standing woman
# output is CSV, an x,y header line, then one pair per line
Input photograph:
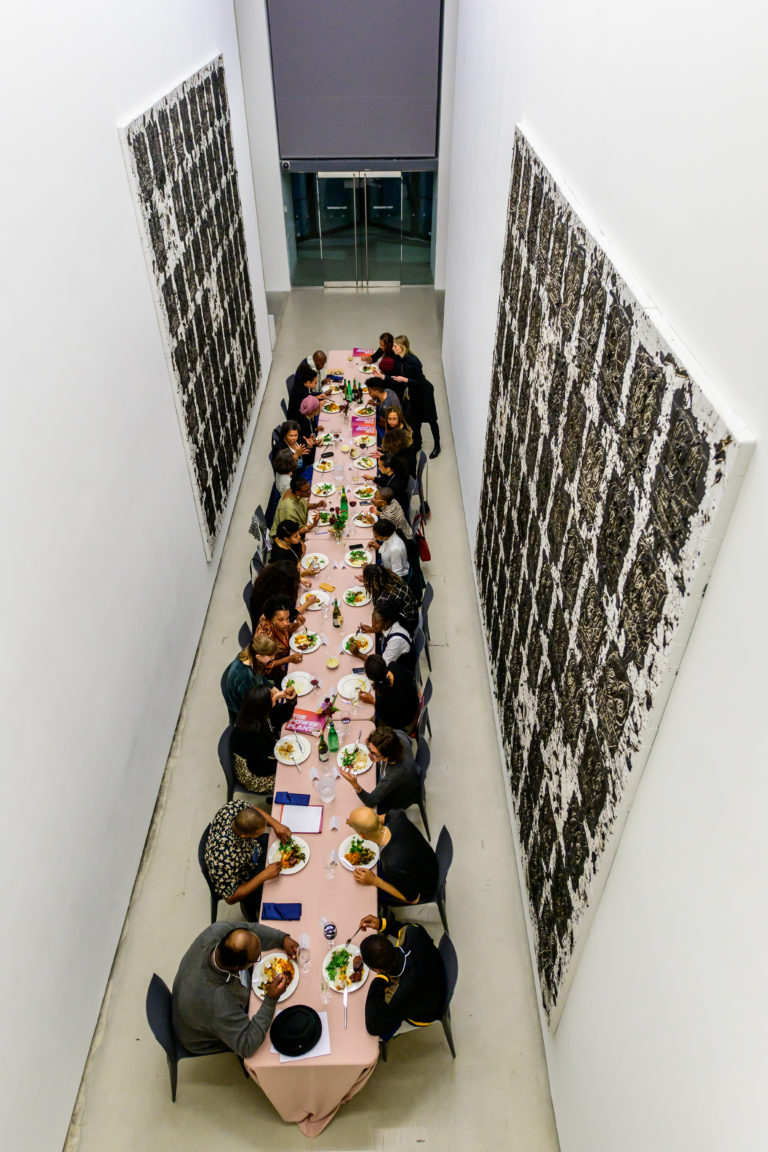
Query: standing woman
x,y
421,394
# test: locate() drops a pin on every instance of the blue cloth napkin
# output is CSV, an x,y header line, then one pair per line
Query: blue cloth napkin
x,y
299,798
280,911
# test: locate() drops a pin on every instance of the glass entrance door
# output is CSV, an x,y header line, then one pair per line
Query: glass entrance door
x,y
361,229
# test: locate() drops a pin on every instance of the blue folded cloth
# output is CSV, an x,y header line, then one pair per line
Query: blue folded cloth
x,y
300,798
280,911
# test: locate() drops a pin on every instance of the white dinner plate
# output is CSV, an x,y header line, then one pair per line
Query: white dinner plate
x,y
360,748
313,647
353,951
348,593
331,407
351,686
365,493
324,488
273,856
364,523
367,410
366,642
358,563
301,682
314,562
365,440
332,389
301,748
344,848
322,598
326,438
364,463
258,974
324,466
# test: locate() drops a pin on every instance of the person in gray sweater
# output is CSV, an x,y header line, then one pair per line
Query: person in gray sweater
x,y
210,1004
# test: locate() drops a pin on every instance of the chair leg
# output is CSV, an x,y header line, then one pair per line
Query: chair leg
x,y
426,653
383,1050
441,909
425,822
446,1023
173,1069
427,724
215,908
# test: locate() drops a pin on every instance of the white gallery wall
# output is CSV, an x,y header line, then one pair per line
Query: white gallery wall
x,y
104,581
655,117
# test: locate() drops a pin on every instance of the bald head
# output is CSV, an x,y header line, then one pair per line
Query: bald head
x,y
320,359
239,949
248,823
364,821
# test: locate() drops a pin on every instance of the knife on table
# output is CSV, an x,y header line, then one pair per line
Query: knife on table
x,y
346,994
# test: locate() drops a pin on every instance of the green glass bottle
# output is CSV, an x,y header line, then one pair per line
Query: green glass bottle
x,y
333,737
344,503
322,749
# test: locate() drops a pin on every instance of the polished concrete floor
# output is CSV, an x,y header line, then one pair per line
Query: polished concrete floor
x,y
495,1094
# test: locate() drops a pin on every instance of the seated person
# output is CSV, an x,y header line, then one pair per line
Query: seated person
x,y
393,474
284,464
390,509
407,870
288,545
290,440
396,442
395,697
382,398
248,669
306,382
210,1004
381,584
235,854
413,966
397,772
393,643
294,505
255,733
276,624
309,427
392,551
275,580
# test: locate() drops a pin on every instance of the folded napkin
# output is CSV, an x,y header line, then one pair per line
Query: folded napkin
x,y
280,911
298,798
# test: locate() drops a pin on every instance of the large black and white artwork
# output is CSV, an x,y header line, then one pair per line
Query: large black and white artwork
x,y
609,477
182,165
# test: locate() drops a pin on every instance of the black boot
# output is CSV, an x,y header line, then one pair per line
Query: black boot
x,y
435,451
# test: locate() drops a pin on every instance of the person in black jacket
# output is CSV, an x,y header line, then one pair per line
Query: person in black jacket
x,y
255,734
395,697
408,869
306,382
398,774
421,394
412,965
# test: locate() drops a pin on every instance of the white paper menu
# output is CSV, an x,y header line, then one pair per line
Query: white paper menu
x,y
302,817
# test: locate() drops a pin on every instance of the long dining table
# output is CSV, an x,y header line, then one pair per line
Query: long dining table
x,y
309,1091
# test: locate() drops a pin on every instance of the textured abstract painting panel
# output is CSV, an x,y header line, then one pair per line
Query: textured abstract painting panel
x,y
609,477
182,165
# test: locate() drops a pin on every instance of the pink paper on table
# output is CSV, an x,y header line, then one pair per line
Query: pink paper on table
x,y
362,351
303,721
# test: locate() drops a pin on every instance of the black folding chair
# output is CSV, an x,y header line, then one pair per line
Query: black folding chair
x,y
423,757
421,465
226,759
244,635
215,898
160,1019
426,600
284,407
444,853
424,722
451,966
289,382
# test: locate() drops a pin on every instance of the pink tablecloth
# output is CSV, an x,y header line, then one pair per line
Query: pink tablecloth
x,y
310,1092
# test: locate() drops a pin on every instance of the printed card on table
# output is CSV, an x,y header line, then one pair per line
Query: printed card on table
x,y
306,818
310,723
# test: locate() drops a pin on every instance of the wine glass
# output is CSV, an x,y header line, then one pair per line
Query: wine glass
x,y
325,990
305,959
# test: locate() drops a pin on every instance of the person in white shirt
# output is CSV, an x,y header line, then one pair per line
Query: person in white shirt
x,y
391,548
393,642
